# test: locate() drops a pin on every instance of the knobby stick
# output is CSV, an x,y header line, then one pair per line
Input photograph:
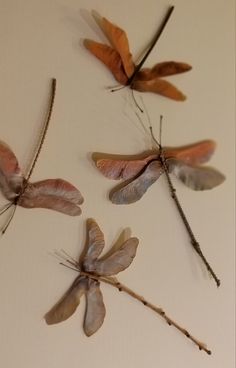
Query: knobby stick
x,y
121,287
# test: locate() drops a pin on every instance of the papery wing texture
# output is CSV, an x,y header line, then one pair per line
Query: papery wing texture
x,y
163,69
159,86
119,41
11,179
133,191
68,304
54,194
95,308
122,169
109,57
95,243
196,178
192,154
117,261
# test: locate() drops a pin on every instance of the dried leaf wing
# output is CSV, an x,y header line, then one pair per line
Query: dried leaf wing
x,y
192,154
56,194
134,190
95,308
195,177
119,41
159,86
117,261
68,304
95,243
122,169
11,179
109,57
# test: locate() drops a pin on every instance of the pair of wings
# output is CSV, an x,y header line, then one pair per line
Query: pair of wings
x,y
140,174
55,194
111,264
118,59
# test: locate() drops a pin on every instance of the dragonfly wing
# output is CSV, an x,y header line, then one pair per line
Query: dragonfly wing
x,y
122,169
11,179
195,177
117,261
109,57
68,303
95,308
159,86
118,39
163,69
134,190
95,244
192,154
55,194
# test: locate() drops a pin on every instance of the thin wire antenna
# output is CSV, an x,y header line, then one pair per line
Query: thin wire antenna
x,y
117,89
4,229
71,268
135,101
6,207
154,138
69,256
156,38
160,130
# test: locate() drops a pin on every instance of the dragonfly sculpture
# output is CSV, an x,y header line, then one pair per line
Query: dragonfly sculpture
x,y
140,172
56,194
94,270
118,59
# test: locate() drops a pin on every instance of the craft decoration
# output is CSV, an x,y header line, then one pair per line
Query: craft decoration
x,y
118,59
94,270
56,194
140,172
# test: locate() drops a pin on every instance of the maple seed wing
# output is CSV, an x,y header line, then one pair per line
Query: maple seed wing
x,y
55,194
109,57
192,154
160,87
117,261
95,243
68,303
95,308
119,41
164,69
133,191
196,178
11,179
122,169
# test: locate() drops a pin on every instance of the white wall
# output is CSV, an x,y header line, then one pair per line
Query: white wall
x,y
40,40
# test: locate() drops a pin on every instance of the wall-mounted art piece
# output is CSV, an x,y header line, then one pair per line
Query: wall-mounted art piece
x,y
119,61
55,194
94,270
140,172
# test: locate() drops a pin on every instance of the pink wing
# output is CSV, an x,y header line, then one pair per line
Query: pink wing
x,y
11,179
54,194
118,168
192,154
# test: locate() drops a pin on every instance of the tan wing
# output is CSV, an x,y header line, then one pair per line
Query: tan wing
x,y
195,177
163,69
95,309
117,261
68,304
109,57
134,190
95,243
55,194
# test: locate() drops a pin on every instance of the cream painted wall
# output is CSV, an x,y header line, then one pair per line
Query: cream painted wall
x,y
41,40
